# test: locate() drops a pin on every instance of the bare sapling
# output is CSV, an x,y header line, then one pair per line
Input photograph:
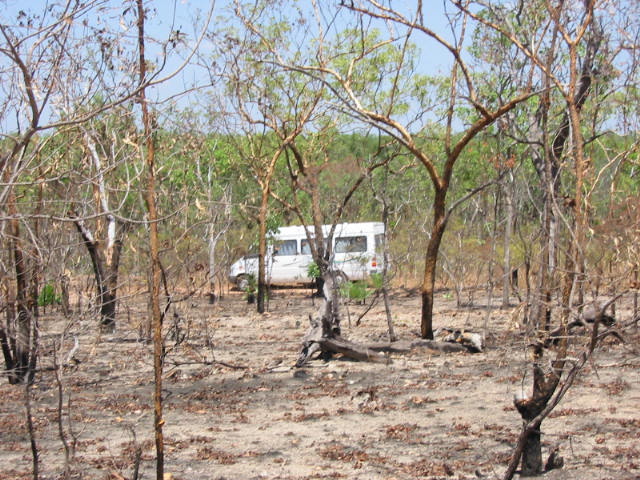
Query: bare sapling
x,y
35,455
67,435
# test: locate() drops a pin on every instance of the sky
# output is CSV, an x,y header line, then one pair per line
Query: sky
x,y
166,17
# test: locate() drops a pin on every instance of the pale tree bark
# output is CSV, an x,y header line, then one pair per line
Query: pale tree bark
x,y
220,221
105,253
105,271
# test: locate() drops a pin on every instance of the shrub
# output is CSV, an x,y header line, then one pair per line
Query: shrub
x,y
48,296
313,270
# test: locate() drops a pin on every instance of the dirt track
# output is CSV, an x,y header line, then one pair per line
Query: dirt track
x,y
426,415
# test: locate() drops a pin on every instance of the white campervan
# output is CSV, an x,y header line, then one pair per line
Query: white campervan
x,y
357,253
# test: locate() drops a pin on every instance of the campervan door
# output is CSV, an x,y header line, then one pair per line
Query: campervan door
x,y
357,249
286,261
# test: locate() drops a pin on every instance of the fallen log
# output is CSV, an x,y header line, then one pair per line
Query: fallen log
x,y
406,346
593,317
319,339
324,336
352,350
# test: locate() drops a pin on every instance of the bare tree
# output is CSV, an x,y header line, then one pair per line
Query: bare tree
x,y
148,152
154,250
56,61
35,54
105,149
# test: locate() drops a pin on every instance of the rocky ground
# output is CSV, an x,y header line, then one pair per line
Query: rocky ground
x,y
235,408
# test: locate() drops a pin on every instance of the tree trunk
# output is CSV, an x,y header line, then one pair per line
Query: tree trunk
x,y
532,455
111,281
262,253
544,387
213,242
154,248
636,317
508,233
324,332
64,295
20,348
216,232
106,276
383,199
431,261
20,339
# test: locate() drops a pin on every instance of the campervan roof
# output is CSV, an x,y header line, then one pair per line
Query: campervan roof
x,y
341,229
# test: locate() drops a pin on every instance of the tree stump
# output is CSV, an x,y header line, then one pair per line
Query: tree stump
x,y
324,331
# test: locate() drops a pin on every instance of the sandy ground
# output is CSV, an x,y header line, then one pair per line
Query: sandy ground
x,y
236,409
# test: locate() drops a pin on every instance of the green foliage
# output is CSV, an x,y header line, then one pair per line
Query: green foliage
x,y
357,290
251,290
48,296
252,284
313,270
369,74
360,290
376,280
274,222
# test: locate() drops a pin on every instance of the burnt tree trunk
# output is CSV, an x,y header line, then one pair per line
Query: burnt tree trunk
x,y
531,408
531,463
105,273
19,336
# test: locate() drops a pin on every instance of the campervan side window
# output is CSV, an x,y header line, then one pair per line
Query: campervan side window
x,y
286,247
351,244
